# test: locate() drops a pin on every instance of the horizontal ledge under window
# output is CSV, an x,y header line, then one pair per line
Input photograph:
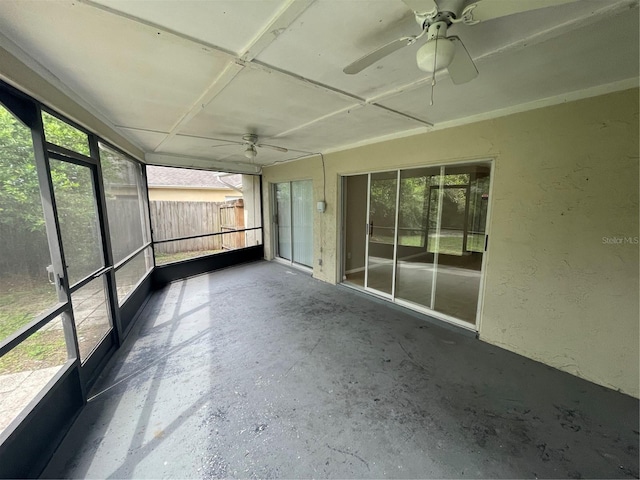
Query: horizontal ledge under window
x,y
130,257
191,237
61,153
92,276
170,251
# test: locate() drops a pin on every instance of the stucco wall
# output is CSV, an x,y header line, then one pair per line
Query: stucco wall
x,y
559,289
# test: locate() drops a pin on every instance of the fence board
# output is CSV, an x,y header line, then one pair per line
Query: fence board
x,y
183,219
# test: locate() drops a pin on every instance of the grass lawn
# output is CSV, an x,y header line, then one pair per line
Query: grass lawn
x,y
449,245
21,300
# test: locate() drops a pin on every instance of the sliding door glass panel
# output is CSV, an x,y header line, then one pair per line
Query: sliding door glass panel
x,y
26,274
478,206
91,315
417,217
355,229
382,230
461,241
302,221
78,218
283,208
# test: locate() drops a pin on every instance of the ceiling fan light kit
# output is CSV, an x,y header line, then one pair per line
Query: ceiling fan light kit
x,y
438,51
250,152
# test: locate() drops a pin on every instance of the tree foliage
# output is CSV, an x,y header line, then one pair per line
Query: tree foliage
x,y
22,225
420,199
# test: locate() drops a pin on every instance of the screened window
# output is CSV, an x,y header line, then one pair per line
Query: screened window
x,y
126,203
28,294
61,133
192,217
27,368
128,217
78,218
26,288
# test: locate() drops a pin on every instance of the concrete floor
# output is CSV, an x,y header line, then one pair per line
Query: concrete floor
x,y
261,371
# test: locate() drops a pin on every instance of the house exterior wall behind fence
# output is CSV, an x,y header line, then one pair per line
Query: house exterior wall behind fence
x,y
565,182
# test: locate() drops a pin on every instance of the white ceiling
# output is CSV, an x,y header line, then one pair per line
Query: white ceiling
x,y
183,78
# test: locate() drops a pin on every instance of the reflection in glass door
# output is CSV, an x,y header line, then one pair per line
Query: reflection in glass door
x,y
425,237
418,217
75,196
465,195
283,216
381,235
302,222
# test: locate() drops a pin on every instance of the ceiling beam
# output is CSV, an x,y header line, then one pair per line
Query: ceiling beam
x,y
281,20
219,83
186,161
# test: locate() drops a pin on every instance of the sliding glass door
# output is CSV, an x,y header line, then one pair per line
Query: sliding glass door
x,y
294,221
283,219
424,237
461,240
417,216
383,193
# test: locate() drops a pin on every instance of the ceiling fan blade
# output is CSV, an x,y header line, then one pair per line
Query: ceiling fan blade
x,y
371,58
225,144
484,10
272,147
421,6
461,69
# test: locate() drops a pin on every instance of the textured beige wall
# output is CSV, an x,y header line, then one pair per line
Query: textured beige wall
x,y
558,290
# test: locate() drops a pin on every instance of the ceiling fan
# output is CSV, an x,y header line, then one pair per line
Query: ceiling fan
x,y
250,142
441,51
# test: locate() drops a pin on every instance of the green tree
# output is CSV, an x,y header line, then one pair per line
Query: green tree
x,y
22,227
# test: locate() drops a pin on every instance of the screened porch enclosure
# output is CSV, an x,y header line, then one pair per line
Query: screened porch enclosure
x,y
78,261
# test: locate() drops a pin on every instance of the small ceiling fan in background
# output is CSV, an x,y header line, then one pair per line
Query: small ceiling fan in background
x,y
250,142
441,51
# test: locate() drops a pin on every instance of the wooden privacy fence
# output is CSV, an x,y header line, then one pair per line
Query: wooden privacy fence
x,y
232,215
185,219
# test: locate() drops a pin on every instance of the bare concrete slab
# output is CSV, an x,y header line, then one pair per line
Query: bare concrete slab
x,y
261,371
